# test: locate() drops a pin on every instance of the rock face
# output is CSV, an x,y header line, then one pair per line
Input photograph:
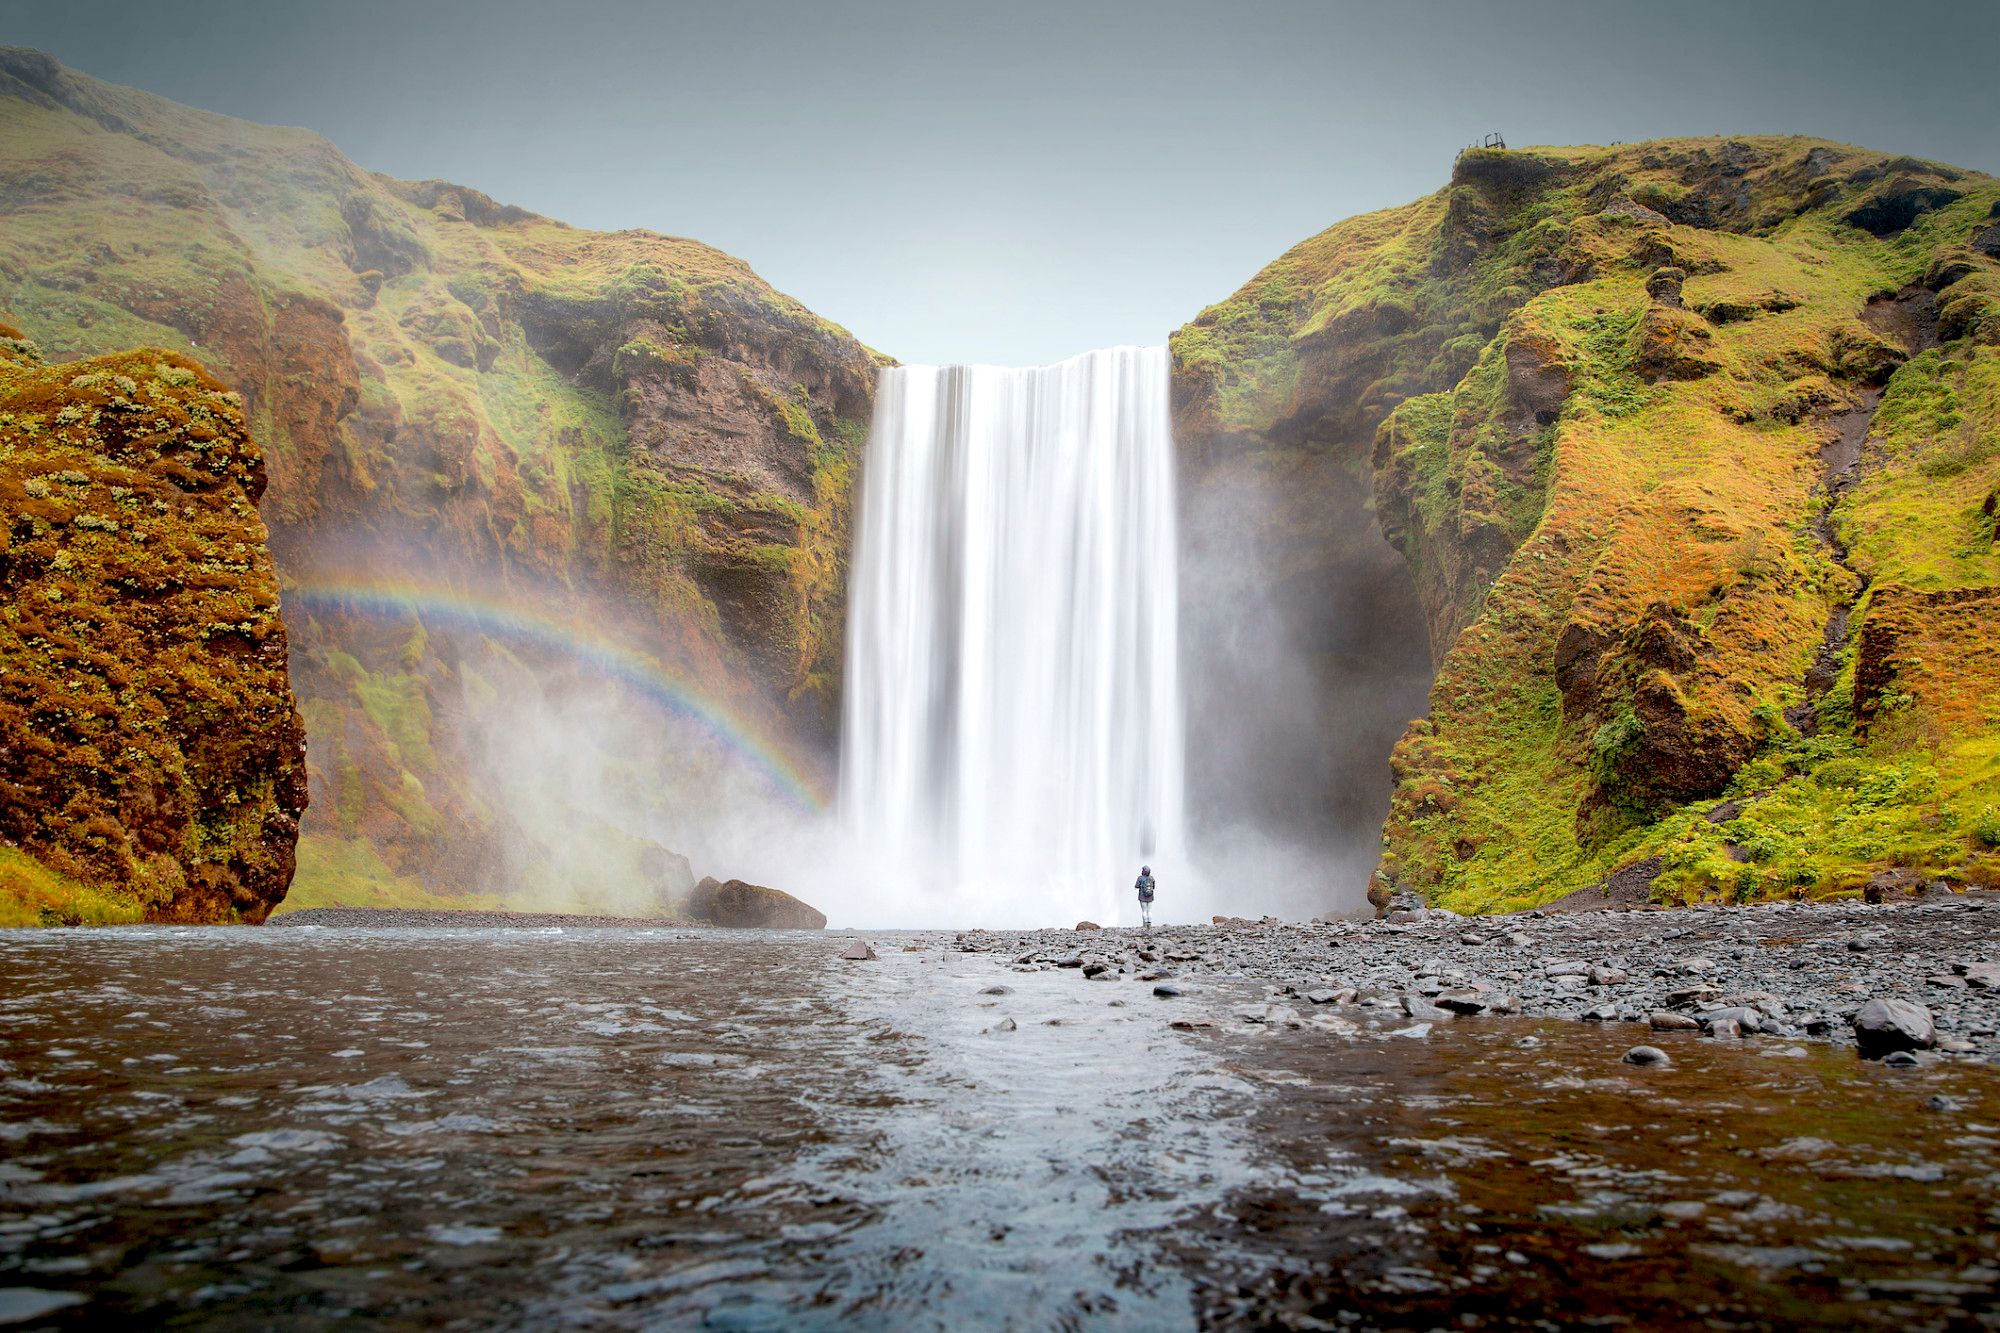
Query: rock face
x,y
1688,449
150,749
736,905
459,392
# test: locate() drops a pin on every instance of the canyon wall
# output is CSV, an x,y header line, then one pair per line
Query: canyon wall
x,y
622,429
1689,451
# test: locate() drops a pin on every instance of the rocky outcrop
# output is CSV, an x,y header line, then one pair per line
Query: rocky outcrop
x,y
451,388
1623,434
150,749
736,905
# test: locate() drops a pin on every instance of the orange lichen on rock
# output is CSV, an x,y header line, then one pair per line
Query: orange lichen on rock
x,y
149,744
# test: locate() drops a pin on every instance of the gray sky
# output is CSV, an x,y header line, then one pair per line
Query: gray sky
x,y
1017,181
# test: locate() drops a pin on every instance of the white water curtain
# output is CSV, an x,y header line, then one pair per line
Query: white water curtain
x,y
1012,734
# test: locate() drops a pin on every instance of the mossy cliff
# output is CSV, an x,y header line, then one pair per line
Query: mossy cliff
x,y
1692,449
452,386
152,763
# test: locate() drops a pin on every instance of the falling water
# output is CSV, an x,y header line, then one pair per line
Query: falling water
x,y
1013,728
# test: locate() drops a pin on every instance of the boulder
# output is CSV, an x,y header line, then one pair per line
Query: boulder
x,y
1088,925
737,905
1646,1055
1884,1026
857,951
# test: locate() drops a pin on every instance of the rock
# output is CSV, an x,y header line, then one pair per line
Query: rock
x,y
1166,992
1323,995
1882,1027
1981,976
1606,976
1096,969
998,990
737,905
1074,960
1691,994
1416,1006
1566,967
1666,1020
1647,1056
1417,1030
1901,1060
1603,1013
858,951
1724,1027
1004,1025
1088,925
1477,1002
1518,940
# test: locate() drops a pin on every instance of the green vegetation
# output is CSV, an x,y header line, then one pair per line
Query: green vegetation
x,y
1594,385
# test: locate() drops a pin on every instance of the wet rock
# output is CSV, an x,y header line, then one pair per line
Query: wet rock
x,y
1882,1027
1603,1013
1074,960
1166,992
1096,969
1901,1060
737,905
1646,1056
858,951
1323,995
1666,1020
1723,1027
1416,1006
998,990
1415,1030
1004,1025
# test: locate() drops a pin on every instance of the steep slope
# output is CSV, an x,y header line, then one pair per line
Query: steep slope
x,y
152,764
622,429
1692,449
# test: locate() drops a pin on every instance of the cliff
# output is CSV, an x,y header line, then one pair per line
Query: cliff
x,y
152,763
626,426
1692,452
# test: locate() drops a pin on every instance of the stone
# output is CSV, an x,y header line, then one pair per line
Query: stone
x,y
858,951
1606,976
1088,925
1004,1025
1603,1013
1981,976
1416,1006
1901,1060
1566,967
1666,1020
738,905
1166,992
1323,995
1074,960
1883,1026
1647,1056
1096,969
1464,1001
1725,1027
998,990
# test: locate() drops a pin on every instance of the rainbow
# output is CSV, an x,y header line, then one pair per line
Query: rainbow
x,y
590,646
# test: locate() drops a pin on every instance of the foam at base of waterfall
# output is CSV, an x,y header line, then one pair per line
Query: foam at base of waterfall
x,y
1012,730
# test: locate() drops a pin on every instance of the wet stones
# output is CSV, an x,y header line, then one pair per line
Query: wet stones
x,y
1884,1027
1666,1020
1647,1057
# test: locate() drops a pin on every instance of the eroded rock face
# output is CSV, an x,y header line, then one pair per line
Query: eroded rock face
x,y
149,742
736,905
454,389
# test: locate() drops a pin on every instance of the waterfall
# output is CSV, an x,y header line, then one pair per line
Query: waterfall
x,y
1012,735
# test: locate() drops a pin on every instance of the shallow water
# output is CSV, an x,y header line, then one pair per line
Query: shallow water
x,y
659,1129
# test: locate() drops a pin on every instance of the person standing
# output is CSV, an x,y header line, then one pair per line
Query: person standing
x,y
1145,886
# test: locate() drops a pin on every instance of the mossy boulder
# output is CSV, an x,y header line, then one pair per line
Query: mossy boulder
x,y
153,753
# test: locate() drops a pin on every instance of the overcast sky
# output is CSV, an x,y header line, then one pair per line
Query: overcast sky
x,y
1018,181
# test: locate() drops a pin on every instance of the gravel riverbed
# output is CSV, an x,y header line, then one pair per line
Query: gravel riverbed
x,y
1781,972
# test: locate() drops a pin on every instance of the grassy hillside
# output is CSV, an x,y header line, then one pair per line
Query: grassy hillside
x,y
1693,450
462,393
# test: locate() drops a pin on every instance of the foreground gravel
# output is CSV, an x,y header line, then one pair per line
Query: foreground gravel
x,y
1778,972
